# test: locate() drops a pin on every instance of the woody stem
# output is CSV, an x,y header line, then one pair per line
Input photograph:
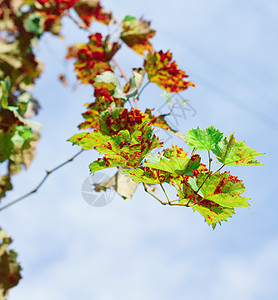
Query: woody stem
x,y
146,190
123,74
165,194
210,160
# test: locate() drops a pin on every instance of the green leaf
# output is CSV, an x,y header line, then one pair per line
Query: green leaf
x,y
147,175
223,148
193,184
89,140
8,84
230,152
182,102
23,100
33,23
213,195
169,100
224,189
4,96
23,153
166,95
130,19
174,164
125,149
242,155
6,145
203,139
4,92
104,163
213,213
107,119
221,194
36,126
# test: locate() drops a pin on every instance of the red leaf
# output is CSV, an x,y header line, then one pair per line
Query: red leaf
x,y
165,72
137,34
92,58
89,10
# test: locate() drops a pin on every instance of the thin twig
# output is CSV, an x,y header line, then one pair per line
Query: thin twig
x,y
83,26
146,190
171,110
193,151
142,89
165,193
80,23
135,103
41,183
210,160
121,69
219,169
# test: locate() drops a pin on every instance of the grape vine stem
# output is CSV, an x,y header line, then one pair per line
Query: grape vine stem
x,y
42,182
123,74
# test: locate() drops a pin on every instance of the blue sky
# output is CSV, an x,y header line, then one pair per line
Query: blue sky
x,y
139,249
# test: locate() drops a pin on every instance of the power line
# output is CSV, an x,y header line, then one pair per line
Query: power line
x,y
210,85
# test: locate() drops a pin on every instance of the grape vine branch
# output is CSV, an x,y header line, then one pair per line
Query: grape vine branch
x,y
48,173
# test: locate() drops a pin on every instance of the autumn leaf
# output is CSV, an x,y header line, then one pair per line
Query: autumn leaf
x,y
90,10
165,73
125,149
5,185
158,121
136,34
213,213
109,78
230,152
56,7
111,82
103,99
26,152
9,267
121,183
110,122
131,88
148,175
203,139
93,58
6,145
89,140
16,145
223,189
222,193
213,195
169,163
114,119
